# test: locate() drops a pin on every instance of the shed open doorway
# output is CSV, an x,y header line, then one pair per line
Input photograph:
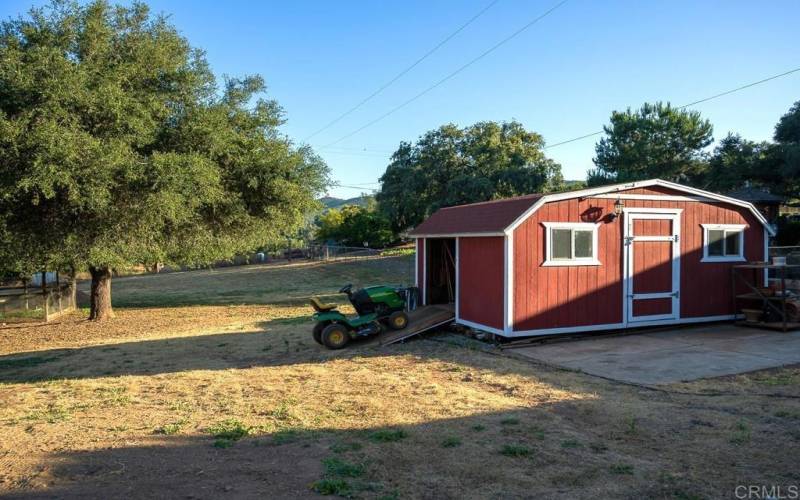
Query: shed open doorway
x,y
440,278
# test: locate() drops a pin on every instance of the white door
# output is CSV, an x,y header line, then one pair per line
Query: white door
x,y
652,265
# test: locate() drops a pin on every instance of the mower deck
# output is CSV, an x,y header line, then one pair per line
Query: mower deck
x,y
421,320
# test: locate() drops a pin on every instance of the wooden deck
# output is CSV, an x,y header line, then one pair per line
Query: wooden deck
x,y
421,320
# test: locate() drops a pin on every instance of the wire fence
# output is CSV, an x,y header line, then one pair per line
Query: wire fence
x,y
19,304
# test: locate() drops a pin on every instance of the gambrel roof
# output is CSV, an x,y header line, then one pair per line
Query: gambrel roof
x,y
499,217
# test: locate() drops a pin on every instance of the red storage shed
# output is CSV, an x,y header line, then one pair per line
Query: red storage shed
x,y
627,255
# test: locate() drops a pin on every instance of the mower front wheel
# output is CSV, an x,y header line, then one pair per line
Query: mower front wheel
x,y
398,320
335,336
317,332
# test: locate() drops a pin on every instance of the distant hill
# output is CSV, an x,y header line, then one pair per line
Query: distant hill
x,y
575,184
331,202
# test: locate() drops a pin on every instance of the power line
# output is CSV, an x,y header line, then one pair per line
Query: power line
x,y
361,188
706,99
406,70
451,75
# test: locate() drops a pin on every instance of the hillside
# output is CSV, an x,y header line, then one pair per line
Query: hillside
x,y
332,202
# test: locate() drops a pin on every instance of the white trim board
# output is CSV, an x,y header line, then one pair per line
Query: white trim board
x,y
580,261
653,197
622,326
739,229
588,193
479,326
629,237
460,235
458,277
508,283
416,262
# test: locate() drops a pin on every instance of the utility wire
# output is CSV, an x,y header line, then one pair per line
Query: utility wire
x,y
406,70
451,75
706,99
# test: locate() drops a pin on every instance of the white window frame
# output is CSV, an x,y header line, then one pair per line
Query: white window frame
x,y
581,261
739,228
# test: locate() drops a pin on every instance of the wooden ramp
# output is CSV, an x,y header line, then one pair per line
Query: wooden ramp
x,y
421,320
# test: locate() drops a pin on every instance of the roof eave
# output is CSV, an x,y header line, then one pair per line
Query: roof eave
x,y
583,193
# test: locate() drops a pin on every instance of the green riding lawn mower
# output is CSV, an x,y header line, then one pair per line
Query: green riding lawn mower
x,y
376,306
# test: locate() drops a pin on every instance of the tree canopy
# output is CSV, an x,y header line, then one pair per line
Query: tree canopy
x,y
787,136
656,140
451,166
736,161
117,147
353,225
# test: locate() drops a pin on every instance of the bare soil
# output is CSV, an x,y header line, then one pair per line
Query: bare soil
x,y
205,398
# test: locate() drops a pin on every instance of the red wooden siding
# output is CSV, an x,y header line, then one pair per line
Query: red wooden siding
x,y
571,296
480,280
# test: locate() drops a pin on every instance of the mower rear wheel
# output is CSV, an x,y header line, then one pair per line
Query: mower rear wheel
x,y
398,320
335,336
317,332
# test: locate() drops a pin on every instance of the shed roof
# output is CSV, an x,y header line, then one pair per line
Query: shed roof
x,y
476,218
755,195
498,217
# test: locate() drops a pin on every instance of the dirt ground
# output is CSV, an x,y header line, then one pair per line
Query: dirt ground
x,y
204,397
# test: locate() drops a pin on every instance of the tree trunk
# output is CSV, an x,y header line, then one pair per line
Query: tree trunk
x,y
100,295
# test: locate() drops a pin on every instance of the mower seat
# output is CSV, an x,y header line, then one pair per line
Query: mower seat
x,y
319,306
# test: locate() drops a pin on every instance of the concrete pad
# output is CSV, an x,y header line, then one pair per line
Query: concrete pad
x,y
682,354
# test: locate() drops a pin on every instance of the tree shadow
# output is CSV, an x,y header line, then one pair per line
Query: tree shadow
x,y
561,449
278,342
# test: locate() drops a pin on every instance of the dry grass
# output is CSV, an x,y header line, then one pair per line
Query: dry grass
x,y
239,400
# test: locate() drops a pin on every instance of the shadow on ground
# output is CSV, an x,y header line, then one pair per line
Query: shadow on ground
x,y
542,451
278,342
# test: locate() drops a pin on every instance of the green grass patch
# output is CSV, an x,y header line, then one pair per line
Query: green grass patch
x,y
790,414
516,450
387,435
741,433
571,443
478,427
396,252
345,447
510,421
227,432
223,443
170,428
22,314
285,436
537,432
780,378
451,442
621,469
338,487
52,414
337,467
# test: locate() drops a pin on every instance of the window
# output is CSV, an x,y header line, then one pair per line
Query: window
x,y
571,244
723,242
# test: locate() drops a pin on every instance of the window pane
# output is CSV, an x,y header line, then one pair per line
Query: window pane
x,y
732,242
560,246
715,242
583,244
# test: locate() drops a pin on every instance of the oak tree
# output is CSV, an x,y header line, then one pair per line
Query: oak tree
x,y
117,148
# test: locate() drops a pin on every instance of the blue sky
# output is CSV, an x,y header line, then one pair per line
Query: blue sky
x,y
561,78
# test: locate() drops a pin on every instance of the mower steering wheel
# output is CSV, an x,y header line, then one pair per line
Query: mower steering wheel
x,y
346,289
